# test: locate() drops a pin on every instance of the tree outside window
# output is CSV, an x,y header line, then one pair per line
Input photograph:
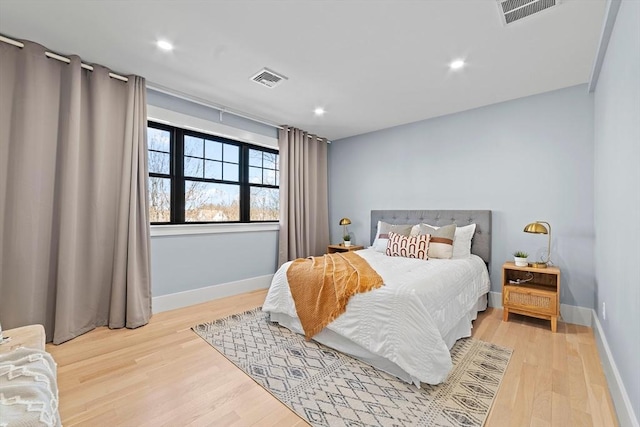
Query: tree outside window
x,y
199,178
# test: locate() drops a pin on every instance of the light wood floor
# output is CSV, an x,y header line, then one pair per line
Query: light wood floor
x,y
163,374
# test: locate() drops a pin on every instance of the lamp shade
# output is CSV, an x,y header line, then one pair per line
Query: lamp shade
x,y
345,221
536,227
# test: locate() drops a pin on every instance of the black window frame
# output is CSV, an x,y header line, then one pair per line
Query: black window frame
x,y
178,179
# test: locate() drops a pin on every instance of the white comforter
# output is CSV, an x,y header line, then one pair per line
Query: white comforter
x,y
405,321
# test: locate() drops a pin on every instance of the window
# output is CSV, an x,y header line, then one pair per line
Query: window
x,y
264,195
159,155
199,178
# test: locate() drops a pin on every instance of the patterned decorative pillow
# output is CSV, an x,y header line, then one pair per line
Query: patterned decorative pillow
x,y
441,242
382,236
408,246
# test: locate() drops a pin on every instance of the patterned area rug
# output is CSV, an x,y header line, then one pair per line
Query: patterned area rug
x,y
328,388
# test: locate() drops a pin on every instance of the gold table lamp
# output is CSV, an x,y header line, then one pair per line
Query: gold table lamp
x,y
538,228
344,222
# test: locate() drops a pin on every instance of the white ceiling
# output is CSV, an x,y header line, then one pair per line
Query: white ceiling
x,y
371,64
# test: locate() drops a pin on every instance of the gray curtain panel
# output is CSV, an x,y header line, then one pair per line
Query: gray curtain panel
x,y
304,207
74,232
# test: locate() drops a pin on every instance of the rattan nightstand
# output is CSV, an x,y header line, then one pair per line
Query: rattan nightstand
x,y
342,248
538,297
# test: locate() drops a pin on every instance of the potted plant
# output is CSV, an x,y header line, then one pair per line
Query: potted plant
x,y
520,258
347,240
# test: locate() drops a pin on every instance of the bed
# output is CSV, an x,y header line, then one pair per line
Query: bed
x,y
407,326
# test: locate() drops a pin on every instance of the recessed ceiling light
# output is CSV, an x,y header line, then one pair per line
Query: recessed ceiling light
x,y
457,64
164,45
319,111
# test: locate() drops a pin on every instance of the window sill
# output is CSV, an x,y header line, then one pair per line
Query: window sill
x,y
186,229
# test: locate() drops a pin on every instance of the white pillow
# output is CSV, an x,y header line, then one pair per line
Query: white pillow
x,y
461,239
382,235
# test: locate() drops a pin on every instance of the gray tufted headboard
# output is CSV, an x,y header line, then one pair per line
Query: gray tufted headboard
x,y
481,243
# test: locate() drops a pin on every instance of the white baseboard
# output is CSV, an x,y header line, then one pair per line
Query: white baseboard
x,y
621,401
197,296
495,299
576,315
570,313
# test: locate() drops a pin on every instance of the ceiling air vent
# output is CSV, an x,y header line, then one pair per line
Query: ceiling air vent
x,y
268,78
515,10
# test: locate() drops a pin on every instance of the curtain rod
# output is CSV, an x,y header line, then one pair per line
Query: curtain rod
x,y
221,108
205,103
53,55
158,88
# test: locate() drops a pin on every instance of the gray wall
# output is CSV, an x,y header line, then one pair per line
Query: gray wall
x,y
192,109
528,159
187,262
617,196
182,263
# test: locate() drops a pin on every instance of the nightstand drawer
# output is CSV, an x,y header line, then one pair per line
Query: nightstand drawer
x,y
530,299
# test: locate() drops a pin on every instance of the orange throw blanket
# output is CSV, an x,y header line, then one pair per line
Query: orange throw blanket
x,y
321,287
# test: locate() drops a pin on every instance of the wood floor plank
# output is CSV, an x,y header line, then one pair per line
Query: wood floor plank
x,y
577,384
561,410
280,419
164,374
536,422
521,413
560,382
541,407
559,348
